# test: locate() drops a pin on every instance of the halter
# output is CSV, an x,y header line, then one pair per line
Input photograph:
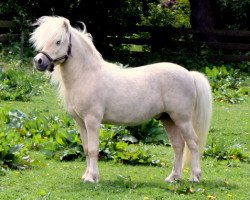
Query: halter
x,y
65,57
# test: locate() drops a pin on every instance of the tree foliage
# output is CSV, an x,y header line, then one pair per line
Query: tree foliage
x,y
101,14
169,13
232,14
103,19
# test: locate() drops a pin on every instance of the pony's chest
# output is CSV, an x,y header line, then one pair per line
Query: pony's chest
x,y
83,102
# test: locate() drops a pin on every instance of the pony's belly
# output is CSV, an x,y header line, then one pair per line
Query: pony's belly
x,y
129,118
123,122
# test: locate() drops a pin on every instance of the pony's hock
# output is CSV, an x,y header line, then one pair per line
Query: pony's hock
x,y
96,92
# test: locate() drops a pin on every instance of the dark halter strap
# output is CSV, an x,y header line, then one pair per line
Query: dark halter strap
x,y
65,57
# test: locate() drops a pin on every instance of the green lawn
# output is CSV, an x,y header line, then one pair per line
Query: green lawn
x,y
52,179
231,123
61,180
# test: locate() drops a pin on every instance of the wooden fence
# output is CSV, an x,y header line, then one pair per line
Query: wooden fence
x,y
229,45
226,45
6,31
9,32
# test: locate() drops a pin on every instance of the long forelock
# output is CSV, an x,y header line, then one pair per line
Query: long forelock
x,y
53,29
49,29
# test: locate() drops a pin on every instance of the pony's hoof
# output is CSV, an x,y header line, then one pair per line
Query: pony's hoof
x,y
85,175
195,178
91,179
172,178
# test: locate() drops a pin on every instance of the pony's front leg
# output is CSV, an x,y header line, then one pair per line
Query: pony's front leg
x,y
92,127
84,138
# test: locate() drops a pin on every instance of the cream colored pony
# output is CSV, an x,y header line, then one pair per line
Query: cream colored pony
x,y
96,92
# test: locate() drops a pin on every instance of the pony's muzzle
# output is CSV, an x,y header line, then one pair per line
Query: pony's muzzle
x,y
41,62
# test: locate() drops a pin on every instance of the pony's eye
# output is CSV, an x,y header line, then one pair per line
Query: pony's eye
x,y
58,42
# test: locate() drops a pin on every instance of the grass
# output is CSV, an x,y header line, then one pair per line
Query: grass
x,y
61,180
230,123
52,179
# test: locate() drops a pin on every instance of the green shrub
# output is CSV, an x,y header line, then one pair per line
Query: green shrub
x,y
57,137
227,84
221,151
18,85
13,153
115,144
149,132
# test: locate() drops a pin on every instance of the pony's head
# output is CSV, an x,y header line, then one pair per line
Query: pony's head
x,y
52,40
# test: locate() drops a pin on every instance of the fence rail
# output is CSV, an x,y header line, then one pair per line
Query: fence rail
x,y
233,45
7,34
6,24
5,31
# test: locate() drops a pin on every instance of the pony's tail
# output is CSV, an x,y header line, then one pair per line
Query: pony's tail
x,y
202,114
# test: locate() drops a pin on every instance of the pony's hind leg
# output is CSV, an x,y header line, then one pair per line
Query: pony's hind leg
x,y
191,140
178,146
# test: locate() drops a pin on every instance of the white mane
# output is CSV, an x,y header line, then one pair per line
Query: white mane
x,y
49,29
53,28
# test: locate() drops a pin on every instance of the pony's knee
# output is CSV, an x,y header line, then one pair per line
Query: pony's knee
x,y
85,148
93,151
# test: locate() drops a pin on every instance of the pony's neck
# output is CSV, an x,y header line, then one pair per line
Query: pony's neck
x,y
85,59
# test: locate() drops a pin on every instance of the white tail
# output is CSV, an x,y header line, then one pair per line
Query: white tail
x,y
202,114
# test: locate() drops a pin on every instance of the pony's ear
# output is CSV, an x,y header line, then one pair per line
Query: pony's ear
x,y
82,26
66,25
40,20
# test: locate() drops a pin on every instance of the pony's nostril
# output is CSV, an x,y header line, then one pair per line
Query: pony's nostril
x,y
39,61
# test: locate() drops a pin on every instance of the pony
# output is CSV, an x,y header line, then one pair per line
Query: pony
x,y
96,92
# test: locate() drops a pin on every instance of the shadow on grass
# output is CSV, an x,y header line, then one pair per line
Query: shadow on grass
x,y
125,184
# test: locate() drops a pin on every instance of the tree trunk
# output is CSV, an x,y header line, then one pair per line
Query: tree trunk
x,y
202,18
